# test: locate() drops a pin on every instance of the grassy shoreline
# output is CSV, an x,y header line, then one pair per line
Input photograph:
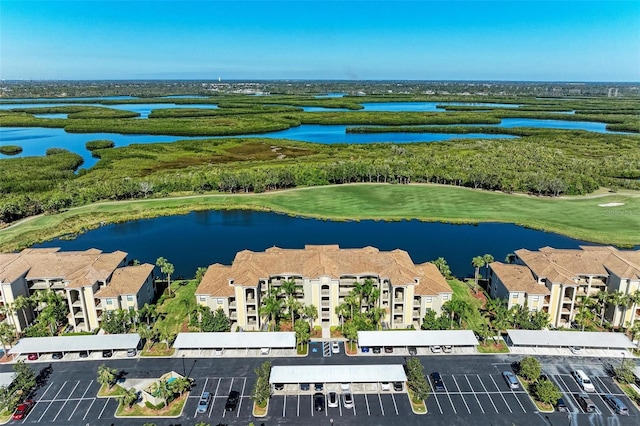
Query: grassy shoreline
x,y
576,217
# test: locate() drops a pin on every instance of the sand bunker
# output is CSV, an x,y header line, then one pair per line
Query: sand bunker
x,y
611,205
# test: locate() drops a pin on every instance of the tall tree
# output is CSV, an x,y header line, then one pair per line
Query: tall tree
x,y
311,313
618,299
7,334
167,269
106,375
200,274
634,299
442,266
477,262
129,397
602,298
22,303
487,258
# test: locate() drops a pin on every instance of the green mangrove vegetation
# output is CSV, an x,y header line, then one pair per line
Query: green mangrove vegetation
x,y
10,149
99,144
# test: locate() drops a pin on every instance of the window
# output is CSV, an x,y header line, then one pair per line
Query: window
x,y
220,301
130,298
515,295
445,297
535,298
109,301
427,299
203,298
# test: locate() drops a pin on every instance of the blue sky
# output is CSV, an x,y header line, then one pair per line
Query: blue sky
x,y
420,40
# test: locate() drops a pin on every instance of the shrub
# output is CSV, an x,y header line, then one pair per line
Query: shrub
x,y
54,151
530,368
10,149
99,144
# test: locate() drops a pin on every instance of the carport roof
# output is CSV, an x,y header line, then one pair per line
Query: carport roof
x,y
258,339
337,373
417,338
6,379
588,339
75,343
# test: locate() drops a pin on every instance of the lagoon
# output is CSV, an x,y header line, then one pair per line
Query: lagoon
x,y
203,238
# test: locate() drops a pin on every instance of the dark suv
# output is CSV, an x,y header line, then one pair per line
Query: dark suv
x,y
107,353
232,401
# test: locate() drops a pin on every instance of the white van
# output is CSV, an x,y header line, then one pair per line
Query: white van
x,y
583,380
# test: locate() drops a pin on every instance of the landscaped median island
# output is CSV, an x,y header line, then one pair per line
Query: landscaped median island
x,y
418,387
262,390
544,393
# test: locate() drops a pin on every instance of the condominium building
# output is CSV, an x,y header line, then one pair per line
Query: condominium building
x,y
324,276
91,281
556,280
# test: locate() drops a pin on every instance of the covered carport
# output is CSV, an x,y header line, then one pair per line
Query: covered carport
x,y
43,347
232,344
580,343
354,378
6,379
424,341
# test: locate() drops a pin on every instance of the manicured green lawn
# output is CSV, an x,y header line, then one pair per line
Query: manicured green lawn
x,y
576,217
174,311
463,292
491,348
172,410
114,391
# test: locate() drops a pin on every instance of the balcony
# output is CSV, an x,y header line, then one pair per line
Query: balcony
x,y
416,302
251,301
78,314
566,300
233,315
251,312
398,300
77,304
98,304
325,293
325,303
398,311
232,305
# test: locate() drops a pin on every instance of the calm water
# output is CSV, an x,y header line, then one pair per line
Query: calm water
x,y
203,238
143,109
408,106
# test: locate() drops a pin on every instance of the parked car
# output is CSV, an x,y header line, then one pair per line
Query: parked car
x,y
218,351
562,406
304,386
107,353
436,349
265,351
232,401
332,399
398,386
57,355
413,350
447,349
22,410
377,349
318,401
364,349
335,347
345,387
132,352
586,403
438,384
583,380
203,403
388,349
511,379
83,354
278,386
616,404
347,400
385,386
318,387
576,350
32,357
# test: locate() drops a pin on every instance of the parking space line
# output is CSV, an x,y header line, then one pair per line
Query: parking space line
x,y
449,396
381,406
105,406
244,384
195,413
602,383
566,388
80,400
395,406
366,401
66,400
485,389
463,400
45,392
298,412
215,395
354,404
88,409
340,404
474,394
60,390
437,402
284,406
312,407
503,398
606,404
518,399
224,413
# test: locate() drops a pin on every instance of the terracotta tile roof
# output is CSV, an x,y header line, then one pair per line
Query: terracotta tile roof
x,y
315,261
79,268
563,266
127,280
518,278
432,282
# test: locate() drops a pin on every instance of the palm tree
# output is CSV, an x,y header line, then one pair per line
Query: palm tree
x,y
289,288
584,314
477,262
21,303
271,307
181,385
7,334
166,268
442,266
200,274
602,298
129,397
634,298
164,390
311,313
487,260
618,299
106,375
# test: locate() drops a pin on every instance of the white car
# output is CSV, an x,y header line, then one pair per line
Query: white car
x,y
335,347
345,387
436,349
218,351
385,386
